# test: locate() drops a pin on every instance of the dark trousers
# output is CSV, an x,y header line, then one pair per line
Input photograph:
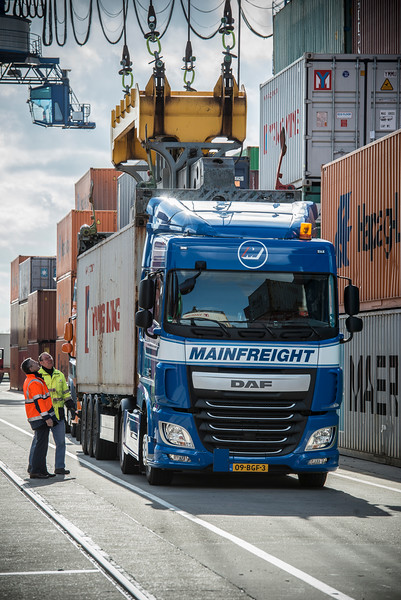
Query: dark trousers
x,y
40,444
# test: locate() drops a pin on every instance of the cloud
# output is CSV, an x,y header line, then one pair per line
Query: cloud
x,y
40,166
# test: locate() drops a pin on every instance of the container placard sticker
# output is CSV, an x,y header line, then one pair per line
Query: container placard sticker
x,y
387,120
387,87
322,80
322,118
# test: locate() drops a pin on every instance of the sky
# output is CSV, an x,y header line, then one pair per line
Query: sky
x,y
39,166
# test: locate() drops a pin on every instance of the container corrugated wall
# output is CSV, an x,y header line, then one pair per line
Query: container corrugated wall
x,y
329,105
126,186
361,215
370,413
36,273
376,27
67,235
104,191
42,316
14,289
307,26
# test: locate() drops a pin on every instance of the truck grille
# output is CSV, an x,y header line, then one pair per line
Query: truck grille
x,y
251,423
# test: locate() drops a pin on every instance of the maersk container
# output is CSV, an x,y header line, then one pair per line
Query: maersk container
x,y
36,273
361,216
329,105
370,415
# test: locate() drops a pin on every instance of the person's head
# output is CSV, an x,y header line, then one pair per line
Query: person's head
x,y
46,360
29,366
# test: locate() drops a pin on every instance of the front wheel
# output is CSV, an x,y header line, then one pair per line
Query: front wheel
x,y
312,480
153,475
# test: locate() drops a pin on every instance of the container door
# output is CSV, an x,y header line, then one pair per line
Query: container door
x,y
333,106
383,111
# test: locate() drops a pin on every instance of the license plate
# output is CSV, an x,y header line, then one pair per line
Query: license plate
x,y
249,468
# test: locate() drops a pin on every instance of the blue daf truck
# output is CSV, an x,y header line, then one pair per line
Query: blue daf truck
x,y
207,337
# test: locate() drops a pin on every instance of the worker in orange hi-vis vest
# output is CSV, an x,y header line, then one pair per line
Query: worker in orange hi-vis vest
x,y
40,415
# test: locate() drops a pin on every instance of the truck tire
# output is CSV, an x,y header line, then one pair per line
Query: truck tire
x,y
312,480
128,464
84,414
153,475
102,449
89,426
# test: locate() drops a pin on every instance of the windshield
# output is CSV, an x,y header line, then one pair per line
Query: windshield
x,y
248,304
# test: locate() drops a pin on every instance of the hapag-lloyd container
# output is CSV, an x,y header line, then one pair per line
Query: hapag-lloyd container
x,y
370,415
361,215
67,235
329,106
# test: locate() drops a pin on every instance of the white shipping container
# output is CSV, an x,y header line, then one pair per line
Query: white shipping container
x,y
329,106
106,294
370,413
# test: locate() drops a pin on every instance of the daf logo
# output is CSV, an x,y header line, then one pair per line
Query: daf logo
x,y
251,383
252,254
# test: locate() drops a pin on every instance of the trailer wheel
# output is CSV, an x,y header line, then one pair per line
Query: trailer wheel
x,y
153,475
102,449
312,480
128,464
84,437
89,426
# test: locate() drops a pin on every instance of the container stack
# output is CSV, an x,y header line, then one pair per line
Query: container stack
x,y
361,215
67,251
102,183
32,279
336,86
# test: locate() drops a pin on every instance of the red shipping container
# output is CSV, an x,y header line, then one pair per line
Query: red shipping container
x,y
65,293
67,236
361,215
14,367
42,316
23,353
104,192
14,287
14,316
61,358
36,349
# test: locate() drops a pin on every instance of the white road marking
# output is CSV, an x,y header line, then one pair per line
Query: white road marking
x,y
58,572
379,485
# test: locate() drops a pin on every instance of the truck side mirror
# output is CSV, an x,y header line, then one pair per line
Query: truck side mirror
x,y
354,324
146,293
351,299
143,318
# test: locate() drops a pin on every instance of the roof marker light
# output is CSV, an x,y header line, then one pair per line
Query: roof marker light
x,y
305,231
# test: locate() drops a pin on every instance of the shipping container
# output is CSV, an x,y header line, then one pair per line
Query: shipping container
x,y
42,316
60,358
14,367
126,186
67,235
64,308
35,349
104,190
14,287
335,27
361,215
329,105
23,324
370,413
14,318
241,172
36,273
253,180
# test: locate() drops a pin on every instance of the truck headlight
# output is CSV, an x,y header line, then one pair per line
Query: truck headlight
x,y
175,435
321,438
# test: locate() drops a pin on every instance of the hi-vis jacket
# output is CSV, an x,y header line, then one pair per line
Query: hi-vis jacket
x,y
58,388
38,404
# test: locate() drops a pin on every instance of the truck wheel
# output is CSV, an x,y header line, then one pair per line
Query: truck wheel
x,y
312,480
84,413
89,427
153,475
128,464
102,449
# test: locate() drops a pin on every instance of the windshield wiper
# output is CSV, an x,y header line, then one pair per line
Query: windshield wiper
x,y
211,321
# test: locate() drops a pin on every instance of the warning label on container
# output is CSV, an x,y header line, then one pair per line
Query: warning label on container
x,y
344,115
322,80
321,118
387,120
387,87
